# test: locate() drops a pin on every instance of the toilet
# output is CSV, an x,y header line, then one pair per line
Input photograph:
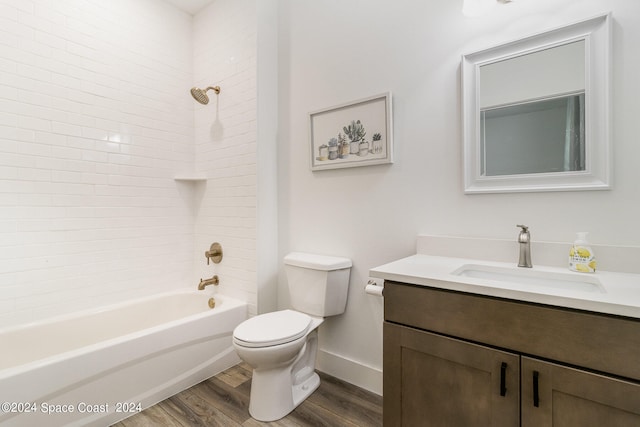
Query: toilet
x,y
281,346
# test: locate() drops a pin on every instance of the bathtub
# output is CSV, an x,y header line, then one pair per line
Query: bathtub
x,y
99,366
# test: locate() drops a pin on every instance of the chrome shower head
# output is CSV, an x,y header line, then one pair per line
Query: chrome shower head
x,y
200,95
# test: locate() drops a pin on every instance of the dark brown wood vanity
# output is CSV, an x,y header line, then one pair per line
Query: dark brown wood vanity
x,y
459,359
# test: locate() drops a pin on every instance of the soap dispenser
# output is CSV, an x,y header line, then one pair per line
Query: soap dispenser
x,y
581,257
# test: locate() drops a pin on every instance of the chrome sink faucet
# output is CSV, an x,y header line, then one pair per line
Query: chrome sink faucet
x,y
524,239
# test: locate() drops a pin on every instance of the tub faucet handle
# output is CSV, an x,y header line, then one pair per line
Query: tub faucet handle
x,y
214,253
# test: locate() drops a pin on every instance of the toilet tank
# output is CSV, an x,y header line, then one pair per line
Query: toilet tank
x,y
318,284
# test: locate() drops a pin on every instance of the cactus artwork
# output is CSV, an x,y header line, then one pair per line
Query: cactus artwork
x,y
333,148
355,131
339,148
344,146
354,134
376,143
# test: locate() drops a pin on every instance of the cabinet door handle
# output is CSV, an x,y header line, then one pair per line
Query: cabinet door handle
x,y
536,394
503,379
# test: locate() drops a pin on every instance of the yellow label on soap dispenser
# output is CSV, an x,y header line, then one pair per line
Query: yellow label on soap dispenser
x,y
581,259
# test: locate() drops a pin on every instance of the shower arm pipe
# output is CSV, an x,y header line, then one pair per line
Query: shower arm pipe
x,y
216,89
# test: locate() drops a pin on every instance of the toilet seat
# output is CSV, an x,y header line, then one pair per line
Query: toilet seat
x,y
271,329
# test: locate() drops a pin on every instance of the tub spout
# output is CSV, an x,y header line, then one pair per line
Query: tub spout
x,y
213,281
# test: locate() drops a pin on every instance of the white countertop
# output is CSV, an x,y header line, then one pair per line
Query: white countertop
x,y
619,294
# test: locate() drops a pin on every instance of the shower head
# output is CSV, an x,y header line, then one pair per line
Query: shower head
x,y
200,95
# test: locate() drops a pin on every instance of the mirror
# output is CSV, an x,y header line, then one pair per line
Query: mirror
x,y
535,112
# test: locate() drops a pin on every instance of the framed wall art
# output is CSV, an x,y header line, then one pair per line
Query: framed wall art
x,y
358,133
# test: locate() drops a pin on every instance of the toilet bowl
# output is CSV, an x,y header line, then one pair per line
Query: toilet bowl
x,y
283,363
281,346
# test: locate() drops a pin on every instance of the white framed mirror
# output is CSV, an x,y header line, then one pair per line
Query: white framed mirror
x,y
536,112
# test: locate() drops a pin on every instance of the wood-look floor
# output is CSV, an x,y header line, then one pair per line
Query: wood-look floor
x,y
223,400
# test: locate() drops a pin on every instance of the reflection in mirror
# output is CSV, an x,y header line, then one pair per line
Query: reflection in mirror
x,y
536,112
534,137
532,112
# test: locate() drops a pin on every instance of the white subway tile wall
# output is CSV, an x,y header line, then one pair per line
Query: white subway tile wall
x,y
95,122
225,53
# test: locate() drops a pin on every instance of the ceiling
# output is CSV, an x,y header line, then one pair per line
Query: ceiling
x,y
190,6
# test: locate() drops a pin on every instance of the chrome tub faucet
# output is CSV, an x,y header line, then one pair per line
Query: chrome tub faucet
x,y
524,239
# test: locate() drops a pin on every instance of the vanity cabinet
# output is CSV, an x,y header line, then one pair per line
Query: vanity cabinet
x,y
458,359
431,379
574,397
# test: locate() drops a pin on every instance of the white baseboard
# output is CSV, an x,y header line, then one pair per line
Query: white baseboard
x,y
351,371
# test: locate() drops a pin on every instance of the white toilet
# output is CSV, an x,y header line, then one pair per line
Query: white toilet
x,y
281,346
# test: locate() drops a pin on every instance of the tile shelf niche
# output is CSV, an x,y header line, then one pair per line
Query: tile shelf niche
x,y
190,178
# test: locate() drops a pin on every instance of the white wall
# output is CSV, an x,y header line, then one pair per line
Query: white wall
x,y
95,121
335,51
267,149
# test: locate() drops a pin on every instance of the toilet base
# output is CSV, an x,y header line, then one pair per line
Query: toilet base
x,y
276,392
302,391
272,398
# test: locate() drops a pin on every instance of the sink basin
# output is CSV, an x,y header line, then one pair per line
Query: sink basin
x,y
532,278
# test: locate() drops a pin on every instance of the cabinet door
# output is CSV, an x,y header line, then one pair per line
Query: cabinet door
x,y
435,381
554,395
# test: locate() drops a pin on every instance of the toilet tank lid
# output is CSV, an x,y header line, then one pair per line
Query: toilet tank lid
x,y
317,262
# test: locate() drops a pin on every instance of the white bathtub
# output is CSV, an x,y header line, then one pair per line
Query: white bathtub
x,y
100,366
